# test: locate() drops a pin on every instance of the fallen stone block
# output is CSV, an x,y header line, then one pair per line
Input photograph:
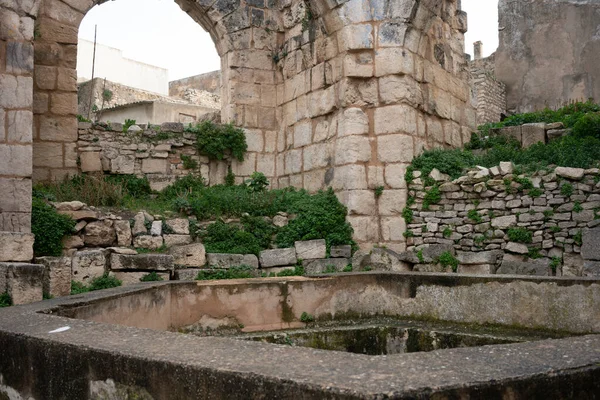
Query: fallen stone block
x,y
590,250
148,242
187,274
325,265
387,260
23,282
474,258
277,257
177,240
87,265
146,262
179,226
226,261
124,235
311,249
99,234
516,265
192,255
341,251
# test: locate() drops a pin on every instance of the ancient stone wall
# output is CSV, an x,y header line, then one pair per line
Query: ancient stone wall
x,y
549,52
502,222
209,82
340,94
106,148
16,122
488,93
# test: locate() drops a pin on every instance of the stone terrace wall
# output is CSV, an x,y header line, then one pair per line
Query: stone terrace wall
x,y
106,148
489,94
476,211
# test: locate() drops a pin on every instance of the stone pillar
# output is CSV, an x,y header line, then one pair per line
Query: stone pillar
x,y
478,50
16,81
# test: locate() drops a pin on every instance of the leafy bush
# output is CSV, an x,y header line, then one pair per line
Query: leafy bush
x,y
215,141
237,272
134,186
588,125
102,282
189,162
432,196
49,228
520,235
251,238
230,177
189,184
151,277
128,124
5,300
320,216
258,182
446,259
306,317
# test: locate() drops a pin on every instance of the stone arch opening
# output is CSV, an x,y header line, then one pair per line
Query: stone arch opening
x,y
238,34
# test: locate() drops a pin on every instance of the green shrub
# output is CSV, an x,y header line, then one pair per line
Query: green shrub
x,y
5,300
252,237
533,253
520,235
258,182
474,216
134,186
566,189
151,277
236,272
446,259
215,141
189,162
230,177
49,228
99,283
187,185
408,215
297,271
432,196
447,232
588,125
555,263
307,318
347,268
320,216
577,208
128,124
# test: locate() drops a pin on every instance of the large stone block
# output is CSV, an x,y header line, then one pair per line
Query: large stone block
x,y
131,278
154,166
225,261
178,226
145,262
516,265
386,260
192,255
23,282
58,129
532,134
482,257
177,240
100,234
16,246
123,231
16,160
325,265
148,242
87,265
16,195
57,275
15,91
19,125
590,250
46,154
395,148
277,257
400,118
311,249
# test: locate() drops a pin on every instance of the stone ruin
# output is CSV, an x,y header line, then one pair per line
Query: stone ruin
x,y
339,93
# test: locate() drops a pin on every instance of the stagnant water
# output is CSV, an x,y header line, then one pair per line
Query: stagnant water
x,y
389,336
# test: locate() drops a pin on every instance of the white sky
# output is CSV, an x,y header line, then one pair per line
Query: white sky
x,y
159,33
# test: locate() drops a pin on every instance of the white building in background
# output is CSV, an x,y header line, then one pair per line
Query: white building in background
x,y
111,64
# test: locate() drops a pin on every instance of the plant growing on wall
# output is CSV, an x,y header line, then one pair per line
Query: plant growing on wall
x,y
107,95
49,228
217,141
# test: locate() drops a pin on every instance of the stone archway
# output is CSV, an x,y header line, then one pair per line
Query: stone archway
x,y
338,94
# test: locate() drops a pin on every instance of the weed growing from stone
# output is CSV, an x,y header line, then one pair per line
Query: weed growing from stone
x,y
520,235
102,282
446,259
432,196
49,227
577,207
555,263
474,216
237,272
566,189
578,238
533,253
5,300
151,277
218,141
447,232
379,191
307,318
407,214
189,162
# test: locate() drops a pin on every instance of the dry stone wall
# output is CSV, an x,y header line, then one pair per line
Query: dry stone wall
x,y
105,148
499,221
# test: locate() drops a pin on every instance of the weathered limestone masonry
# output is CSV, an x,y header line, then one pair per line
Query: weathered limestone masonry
x,y
106,148
210,82
488,93
340,94
16,121
545,66
553,216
